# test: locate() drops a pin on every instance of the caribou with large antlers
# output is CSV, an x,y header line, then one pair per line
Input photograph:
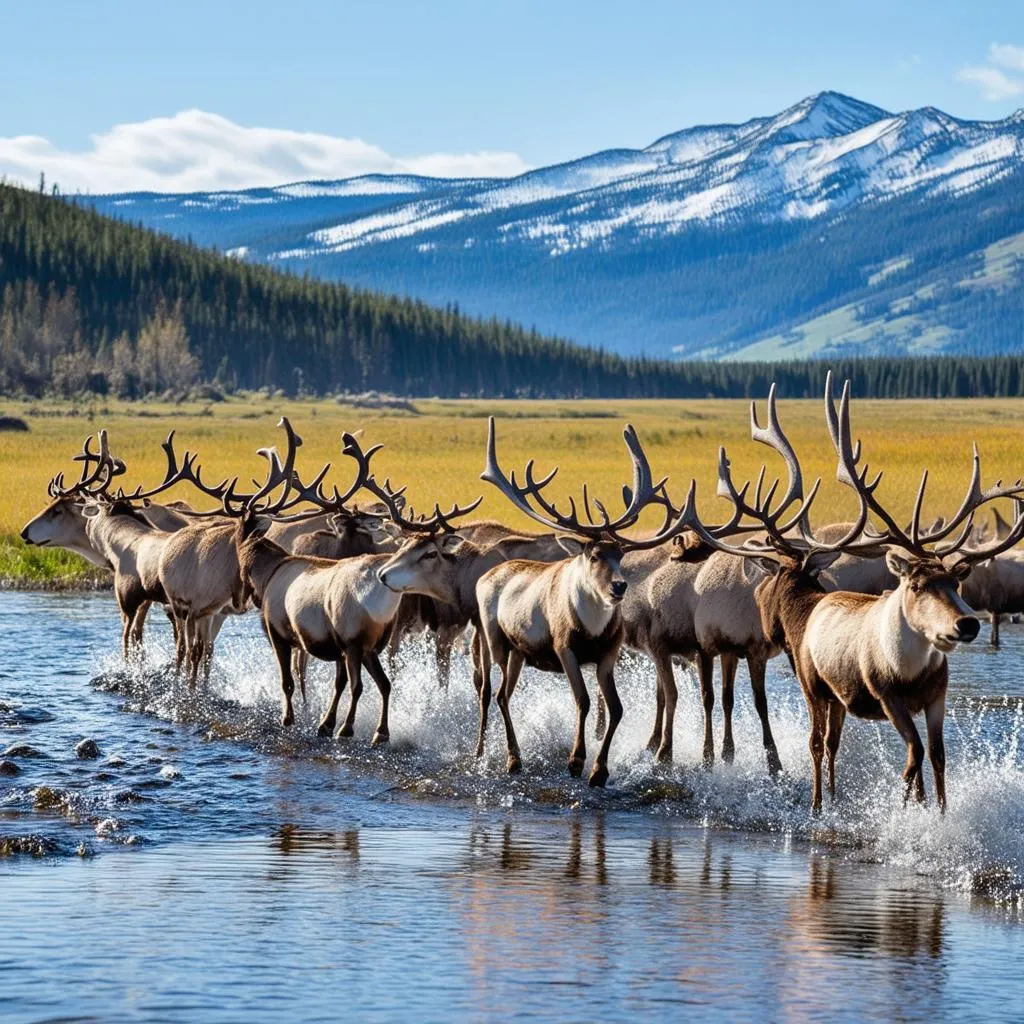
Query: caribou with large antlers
x,y
559,617
873,657
333,610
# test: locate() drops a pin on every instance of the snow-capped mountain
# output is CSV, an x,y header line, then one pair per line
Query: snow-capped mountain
x,y
596,248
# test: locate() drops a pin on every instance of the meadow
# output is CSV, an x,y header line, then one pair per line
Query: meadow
x,y
436,449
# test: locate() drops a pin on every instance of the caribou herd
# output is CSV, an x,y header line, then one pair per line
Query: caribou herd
x,y
866,611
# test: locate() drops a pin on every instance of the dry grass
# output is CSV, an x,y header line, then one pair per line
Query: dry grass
x,y
439,451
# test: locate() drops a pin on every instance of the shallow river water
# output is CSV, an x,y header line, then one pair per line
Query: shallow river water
x,y
209,865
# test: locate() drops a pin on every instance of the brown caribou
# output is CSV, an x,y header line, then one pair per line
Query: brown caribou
x,y
558,617
876,657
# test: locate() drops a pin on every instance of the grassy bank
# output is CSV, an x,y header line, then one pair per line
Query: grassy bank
x,y
437,449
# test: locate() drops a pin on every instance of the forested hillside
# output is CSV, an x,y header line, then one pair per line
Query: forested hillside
x,y
92,304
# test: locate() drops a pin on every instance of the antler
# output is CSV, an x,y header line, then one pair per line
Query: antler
x,y
313,493
923,543
92,482
780,537
187,472
280,474
644,493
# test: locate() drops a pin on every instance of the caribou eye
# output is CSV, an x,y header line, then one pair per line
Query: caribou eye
x,y
429,554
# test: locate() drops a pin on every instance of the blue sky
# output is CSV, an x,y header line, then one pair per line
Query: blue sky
x,y
524,83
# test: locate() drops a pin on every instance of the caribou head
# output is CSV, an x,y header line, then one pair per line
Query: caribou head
x,y
61,524
598,542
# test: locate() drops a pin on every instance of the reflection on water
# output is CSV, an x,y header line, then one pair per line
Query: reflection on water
x,y
229,870
557,916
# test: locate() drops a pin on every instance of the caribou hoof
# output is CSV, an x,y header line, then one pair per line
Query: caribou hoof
x,y
287,718
664,755
654,743
345,731
708,760
479,749
774,764
379,738
513,765
325,729
599,776
728,753
575,767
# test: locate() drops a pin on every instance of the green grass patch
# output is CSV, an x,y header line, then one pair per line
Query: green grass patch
x,y
30,568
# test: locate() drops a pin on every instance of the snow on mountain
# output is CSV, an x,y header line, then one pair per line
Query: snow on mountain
x,y
664,249
818,157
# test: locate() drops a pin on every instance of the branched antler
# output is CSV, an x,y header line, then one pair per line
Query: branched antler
x,y
643,494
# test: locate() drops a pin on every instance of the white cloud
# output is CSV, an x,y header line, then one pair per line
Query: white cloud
x,y
198,151
1006,55
995,84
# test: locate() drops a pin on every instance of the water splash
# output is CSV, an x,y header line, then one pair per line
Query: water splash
x,y
977,846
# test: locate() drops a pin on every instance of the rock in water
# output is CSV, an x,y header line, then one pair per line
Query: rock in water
x,y
87,750
22,750
8,768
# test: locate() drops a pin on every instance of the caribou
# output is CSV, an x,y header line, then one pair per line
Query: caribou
x,y
445,564
560,616
875,657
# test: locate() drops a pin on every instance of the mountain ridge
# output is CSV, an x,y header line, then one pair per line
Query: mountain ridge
x,y
593,248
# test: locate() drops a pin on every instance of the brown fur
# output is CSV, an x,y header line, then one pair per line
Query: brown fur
x,y
558,617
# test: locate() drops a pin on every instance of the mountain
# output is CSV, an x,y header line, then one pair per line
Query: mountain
x,y
834,228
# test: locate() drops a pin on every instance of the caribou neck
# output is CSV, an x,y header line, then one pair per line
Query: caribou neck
x,y
906,652
258,562
588,607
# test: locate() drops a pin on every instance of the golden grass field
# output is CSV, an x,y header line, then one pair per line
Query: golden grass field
x,y
438,451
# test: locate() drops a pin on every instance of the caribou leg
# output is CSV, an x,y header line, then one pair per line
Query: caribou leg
x,y
511,668
372,662
327,723
354,665
606,681
994,619
897,713
482,684
729,664
756,666
300,662
833,733
667,696
819,717
571,667
935,714
601,718
283,650
657,733
706,669
138,624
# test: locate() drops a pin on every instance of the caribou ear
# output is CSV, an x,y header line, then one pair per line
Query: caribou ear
x,y
962,570
337,523
451,543
760,568
898,565
90,510
820,561
572,546
688,547
255,527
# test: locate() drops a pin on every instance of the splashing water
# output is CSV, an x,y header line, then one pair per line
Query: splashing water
x,y
976,847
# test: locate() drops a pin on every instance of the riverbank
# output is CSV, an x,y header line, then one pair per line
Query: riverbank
x,y
436,450
47,569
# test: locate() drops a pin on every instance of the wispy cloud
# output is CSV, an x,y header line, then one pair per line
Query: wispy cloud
x,y
198,151
995,83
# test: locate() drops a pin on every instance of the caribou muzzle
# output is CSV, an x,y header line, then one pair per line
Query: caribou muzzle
x,y
618,589
967,629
